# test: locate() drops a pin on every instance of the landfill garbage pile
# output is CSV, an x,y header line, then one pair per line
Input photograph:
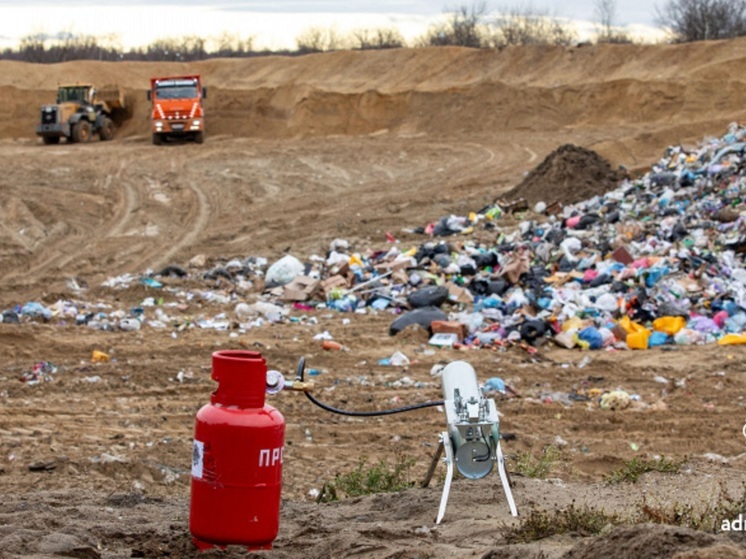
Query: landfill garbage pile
x,y
658,260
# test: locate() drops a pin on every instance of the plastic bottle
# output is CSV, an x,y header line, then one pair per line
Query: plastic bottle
x,y
331,345
398,359
380,303
129,324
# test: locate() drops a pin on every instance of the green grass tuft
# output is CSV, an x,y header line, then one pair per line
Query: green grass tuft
x,y
707,517
377,478
529,466
540,524
633,469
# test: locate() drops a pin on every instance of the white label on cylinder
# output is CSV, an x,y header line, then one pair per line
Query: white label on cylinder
x,y
198,457
270,456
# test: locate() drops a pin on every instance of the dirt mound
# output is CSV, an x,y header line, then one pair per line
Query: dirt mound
x,y
568,175
655,542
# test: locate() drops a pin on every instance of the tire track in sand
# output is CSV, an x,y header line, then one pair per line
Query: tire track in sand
x,y
199,215
124,211
71,248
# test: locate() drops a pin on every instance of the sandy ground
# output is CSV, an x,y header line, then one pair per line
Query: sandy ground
x,y
300,152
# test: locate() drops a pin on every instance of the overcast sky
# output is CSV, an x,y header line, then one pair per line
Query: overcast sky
x,y
275,23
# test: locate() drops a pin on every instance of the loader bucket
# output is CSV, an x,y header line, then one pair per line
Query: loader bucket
x,y
113,96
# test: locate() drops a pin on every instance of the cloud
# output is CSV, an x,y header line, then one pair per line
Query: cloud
x,y
332,6
281,6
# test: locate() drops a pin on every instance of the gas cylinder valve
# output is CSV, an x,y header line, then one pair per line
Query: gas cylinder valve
x,y
276,383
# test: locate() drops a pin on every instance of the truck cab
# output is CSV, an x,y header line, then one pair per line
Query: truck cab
x,y
177,109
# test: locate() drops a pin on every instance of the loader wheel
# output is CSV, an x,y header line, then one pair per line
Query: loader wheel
x,y
157,139
82,132
107,130
199,137
50,140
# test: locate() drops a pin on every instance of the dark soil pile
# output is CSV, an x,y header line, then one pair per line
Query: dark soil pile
x,y
656,541
568,175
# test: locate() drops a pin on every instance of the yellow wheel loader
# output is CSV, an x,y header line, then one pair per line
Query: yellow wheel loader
x,y
81,112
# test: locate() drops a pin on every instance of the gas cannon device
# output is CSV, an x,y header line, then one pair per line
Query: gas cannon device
x,y
472,438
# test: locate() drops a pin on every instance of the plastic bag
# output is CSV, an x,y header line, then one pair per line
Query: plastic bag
x,y
285,270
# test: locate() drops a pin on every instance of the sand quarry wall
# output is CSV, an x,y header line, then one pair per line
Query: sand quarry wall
x,y
434,90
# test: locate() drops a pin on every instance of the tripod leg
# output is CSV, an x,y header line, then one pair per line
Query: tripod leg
x,y
433,465
505,481
449,476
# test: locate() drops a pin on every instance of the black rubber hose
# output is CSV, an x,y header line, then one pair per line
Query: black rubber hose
x,y
299,376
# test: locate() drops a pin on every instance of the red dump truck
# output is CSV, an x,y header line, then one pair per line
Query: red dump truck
x,y
177,110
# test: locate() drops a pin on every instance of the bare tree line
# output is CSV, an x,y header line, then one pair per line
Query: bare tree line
x,y
702,20
685,21
467,26
64,47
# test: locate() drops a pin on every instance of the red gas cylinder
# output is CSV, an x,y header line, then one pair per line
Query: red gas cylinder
x,y
237,458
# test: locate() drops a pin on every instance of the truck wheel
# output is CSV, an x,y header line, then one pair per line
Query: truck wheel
x,y
50,140
199,137
157,139
107,130
82,132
